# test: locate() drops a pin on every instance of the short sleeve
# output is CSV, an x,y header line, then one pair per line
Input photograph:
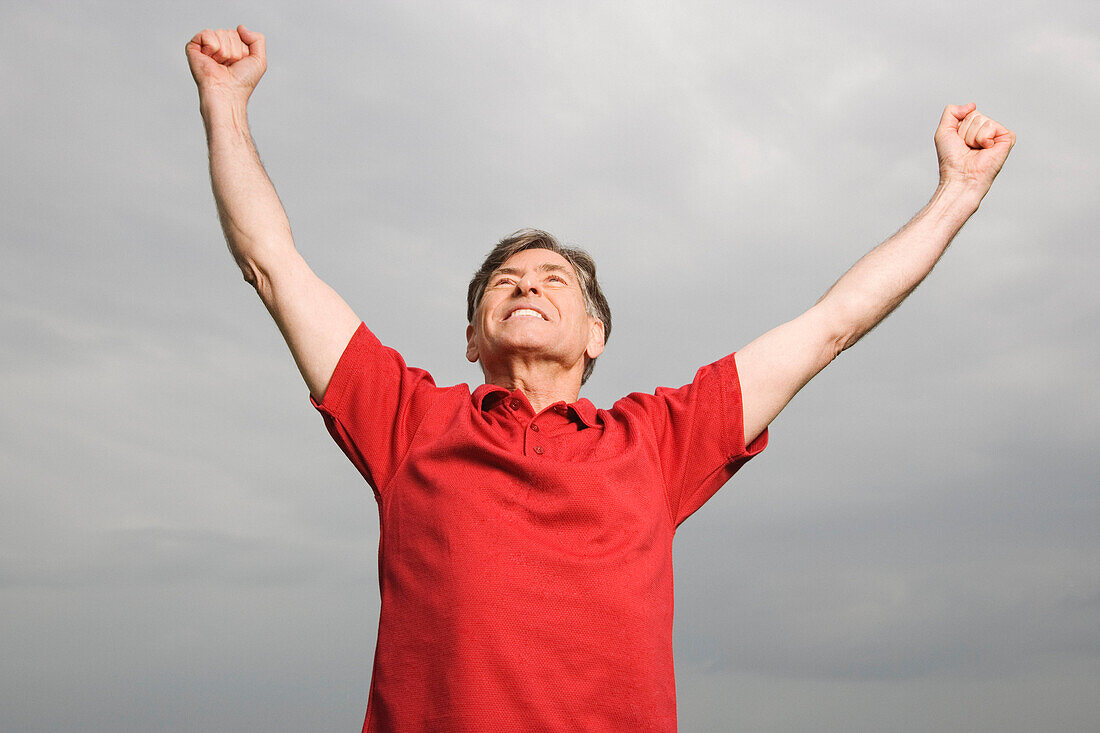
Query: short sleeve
x,y
373,406
700,435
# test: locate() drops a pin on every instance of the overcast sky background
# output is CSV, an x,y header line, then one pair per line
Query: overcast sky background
x,y
182,548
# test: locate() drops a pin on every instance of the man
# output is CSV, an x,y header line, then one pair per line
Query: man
x,y
525,561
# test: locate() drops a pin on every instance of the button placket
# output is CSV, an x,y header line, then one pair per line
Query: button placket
x,y
534,428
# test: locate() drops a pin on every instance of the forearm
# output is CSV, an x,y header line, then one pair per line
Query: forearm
x,y
772,368
252,217
886,275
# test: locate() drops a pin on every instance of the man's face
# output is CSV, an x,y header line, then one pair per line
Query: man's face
x,y
533,308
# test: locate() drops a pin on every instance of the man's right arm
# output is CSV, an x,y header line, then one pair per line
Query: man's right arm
x,y
315,321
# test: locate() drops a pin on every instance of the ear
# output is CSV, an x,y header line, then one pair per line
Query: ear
x,y
595,338
471,345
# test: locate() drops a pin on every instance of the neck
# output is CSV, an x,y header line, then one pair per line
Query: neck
x,y
543,385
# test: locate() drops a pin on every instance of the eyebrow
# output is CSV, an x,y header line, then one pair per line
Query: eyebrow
x,y
545,267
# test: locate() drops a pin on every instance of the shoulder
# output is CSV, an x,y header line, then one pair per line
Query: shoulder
x,y
712,382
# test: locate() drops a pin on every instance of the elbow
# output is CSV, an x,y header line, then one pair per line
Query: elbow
x,y
255,276
250,277
249,271
844,324
843,341
271,273
846,335
258,254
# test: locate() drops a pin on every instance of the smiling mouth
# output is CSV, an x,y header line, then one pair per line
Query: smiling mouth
x,y
525,313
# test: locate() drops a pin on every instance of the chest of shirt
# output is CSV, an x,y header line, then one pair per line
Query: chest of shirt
x,y
501,485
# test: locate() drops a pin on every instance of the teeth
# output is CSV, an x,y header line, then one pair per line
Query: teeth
x,y
525,312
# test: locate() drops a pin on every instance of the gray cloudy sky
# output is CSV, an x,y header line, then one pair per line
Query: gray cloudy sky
x,y
182,548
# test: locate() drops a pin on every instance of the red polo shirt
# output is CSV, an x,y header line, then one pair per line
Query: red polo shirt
x,y
525,561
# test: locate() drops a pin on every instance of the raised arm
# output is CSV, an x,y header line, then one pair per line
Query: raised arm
x,y
315,321
971,149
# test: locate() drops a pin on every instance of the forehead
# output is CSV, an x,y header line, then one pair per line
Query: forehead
x,y
533,259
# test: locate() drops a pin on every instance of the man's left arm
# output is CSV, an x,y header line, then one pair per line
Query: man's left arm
x,y
772,368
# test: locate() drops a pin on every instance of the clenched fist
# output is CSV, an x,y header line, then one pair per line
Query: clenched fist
x,y
227,64
971,147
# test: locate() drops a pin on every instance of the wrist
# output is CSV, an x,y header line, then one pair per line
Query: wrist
x,y
223,111
958,196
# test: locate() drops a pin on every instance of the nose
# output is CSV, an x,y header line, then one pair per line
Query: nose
x,y
527,284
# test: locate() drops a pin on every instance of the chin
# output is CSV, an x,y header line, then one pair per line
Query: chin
x,y
527,346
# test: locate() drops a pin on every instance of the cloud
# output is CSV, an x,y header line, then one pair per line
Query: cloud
x,y
183,548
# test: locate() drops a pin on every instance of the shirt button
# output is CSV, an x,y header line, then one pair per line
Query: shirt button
x,y
535,428
514,404
538,449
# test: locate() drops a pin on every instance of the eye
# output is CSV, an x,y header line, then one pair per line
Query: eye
x,y
502,281
558,279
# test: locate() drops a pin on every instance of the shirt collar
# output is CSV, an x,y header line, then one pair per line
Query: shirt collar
x,y
488,396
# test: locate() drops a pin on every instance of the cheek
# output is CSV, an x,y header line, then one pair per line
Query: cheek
x,y
482,317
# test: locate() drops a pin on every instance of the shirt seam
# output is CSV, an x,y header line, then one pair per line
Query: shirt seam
x,y
400,463
730,449
731,430
669,513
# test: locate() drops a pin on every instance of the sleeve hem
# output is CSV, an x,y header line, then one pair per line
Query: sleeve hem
x,y
732,396
344,374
